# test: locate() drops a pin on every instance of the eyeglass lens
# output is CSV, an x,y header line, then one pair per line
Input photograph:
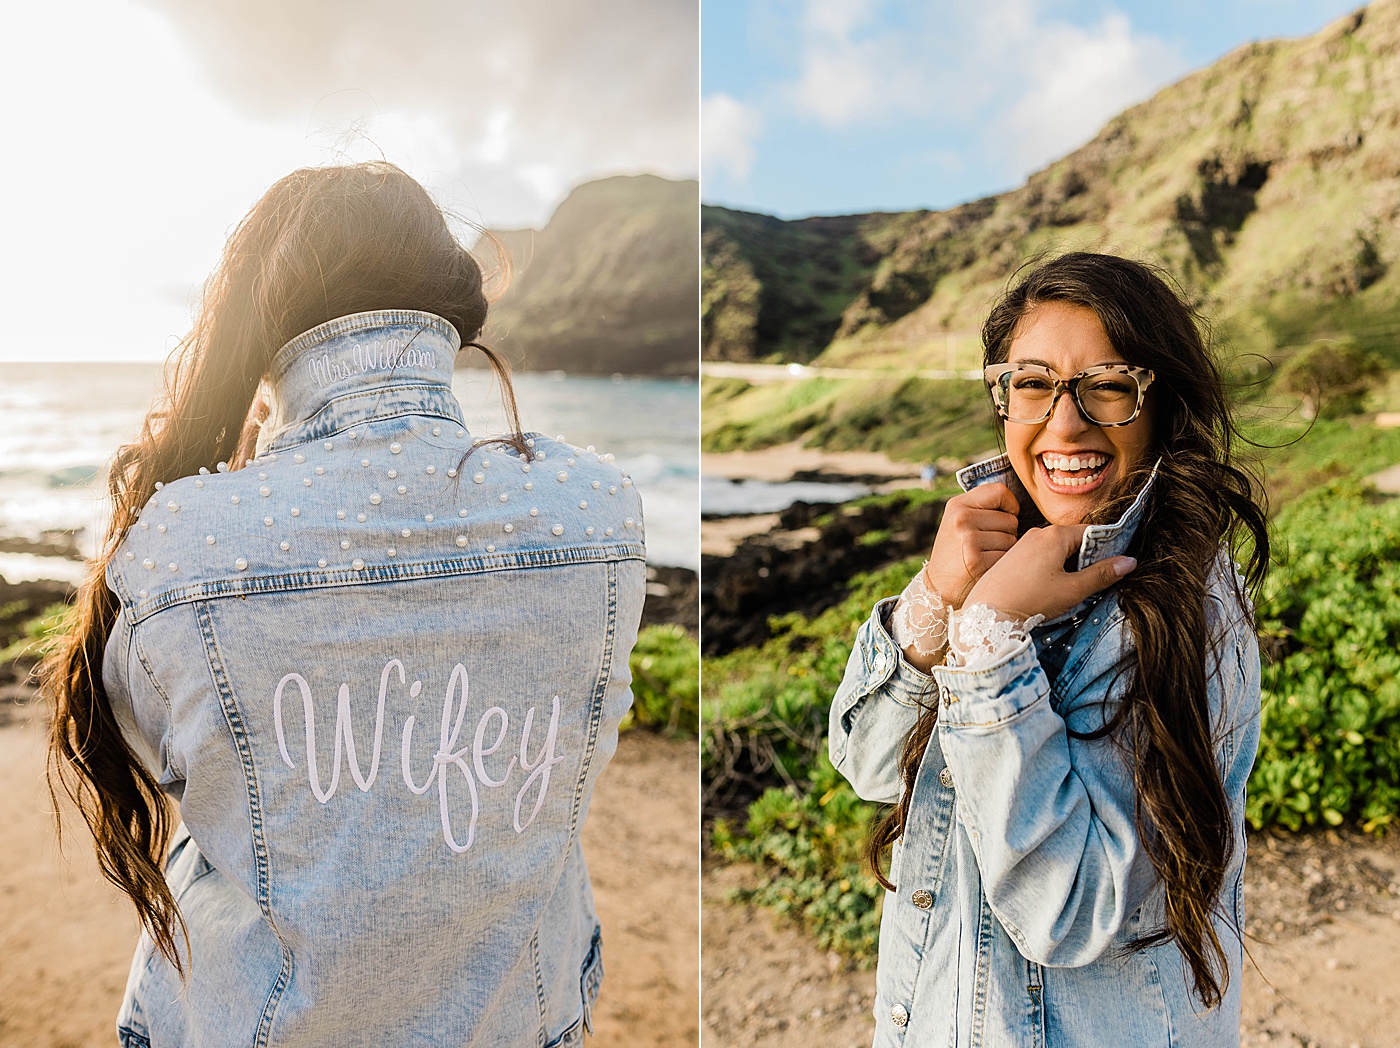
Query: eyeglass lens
x,y
1109,399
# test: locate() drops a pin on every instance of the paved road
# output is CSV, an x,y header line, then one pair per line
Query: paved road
x,y
761,373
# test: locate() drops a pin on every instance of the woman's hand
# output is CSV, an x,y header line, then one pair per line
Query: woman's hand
x,y
977,529
1030,578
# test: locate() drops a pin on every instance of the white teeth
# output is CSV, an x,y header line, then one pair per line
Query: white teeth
x,y
1073,463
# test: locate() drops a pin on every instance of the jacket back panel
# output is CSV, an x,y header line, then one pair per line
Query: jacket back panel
x,y
381,671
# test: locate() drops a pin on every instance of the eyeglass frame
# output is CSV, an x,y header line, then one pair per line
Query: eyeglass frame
x,y
993,374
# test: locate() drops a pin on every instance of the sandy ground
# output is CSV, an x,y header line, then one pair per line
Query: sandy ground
x,y
721,536
1387,480
780,462
66,938
1323,916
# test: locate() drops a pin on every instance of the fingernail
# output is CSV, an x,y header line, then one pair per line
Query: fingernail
x,y
1123,565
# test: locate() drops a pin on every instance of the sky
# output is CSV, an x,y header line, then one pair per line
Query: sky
x,y
851,106
141,131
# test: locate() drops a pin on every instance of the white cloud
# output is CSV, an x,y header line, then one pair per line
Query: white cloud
x,y
136,173
582,89
494,147
849,72
728,131
1075,80
172,117
1000,85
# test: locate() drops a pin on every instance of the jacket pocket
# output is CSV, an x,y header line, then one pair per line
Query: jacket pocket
x,y
152,977
129,1038
590,980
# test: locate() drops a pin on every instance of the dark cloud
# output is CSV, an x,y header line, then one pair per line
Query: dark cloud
x,y
534,95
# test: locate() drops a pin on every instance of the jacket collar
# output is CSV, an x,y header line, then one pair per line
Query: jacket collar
x,y
1100,541
360,366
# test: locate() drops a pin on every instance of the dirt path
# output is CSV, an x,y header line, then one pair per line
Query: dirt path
x,y
66,938
642,842
767,985
781,462
1324,926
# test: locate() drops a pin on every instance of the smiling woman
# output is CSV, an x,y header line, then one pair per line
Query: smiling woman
x,y
1063,705
1070,450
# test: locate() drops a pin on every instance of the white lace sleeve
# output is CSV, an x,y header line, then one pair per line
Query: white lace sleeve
x,y
919,622
979,636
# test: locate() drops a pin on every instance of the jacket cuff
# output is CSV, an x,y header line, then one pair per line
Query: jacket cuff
x,y
885,664
992,695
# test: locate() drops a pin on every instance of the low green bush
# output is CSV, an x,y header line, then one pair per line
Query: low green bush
x,y
766,707
810,844
1330,612
665,682
37,635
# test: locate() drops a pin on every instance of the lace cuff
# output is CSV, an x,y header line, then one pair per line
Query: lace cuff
x,y
979,636
919,622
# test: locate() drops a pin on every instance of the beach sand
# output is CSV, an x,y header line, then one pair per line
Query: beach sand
x,y
782,461
66,938
720,536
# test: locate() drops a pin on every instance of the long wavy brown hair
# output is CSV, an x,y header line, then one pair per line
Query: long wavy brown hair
x,y
1201,501
321,243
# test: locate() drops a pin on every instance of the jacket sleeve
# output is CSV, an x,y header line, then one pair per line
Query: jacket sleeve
x,y
139,706
1051,816
874,709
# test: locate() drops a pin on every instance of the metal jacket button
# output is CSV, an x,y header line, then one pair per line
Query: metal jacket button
x,y
946,777
922,898
899,1015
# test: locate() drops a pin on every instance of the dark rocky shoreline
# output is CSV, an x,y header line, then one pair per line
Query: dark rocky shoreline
x,y
673,595
803,564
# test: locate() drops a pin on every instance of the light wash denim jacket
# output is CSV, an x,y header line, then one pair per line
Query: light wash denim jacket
x,y
380,673
1020,876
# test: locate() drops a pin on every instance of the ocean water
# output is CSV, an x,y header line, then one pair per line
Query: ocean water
x,y
734,497
60,424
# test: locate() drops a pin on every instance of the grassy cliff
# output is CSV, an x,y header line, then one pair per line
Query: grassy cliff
x,y
1267,183
608,285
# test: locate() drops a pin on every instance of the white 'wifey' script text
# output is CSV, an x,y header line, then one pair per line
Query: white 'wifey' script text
x,y
469,759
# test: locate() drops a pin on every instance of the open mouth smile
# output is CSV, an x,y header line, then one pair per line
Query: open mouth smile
x,y
1073,474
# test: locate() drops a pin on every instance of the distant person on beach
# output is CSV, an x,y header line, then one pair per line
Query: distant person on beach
x,y
344,675
928,474
1062,707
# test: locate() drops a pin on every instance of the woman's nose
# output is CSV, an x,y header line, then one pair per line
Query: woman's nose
x,y
1065,420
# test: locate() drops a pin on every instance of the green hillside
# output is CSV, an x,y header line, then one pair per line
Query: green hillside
x,y
1268,183
609,285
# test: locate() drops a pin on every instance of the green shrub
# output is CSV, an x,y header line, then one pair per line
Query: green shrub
x,y
1333,377
1330,746
665,682
765,721
766,707
810,845
38,635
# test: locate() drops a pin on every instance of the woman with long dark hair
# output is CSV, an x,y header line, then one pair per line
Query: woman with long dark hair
x,y
343,676
1062,707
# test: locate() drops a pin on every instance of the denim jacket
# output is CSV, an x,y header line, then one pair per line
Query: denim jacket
x,y
379,671
1020,877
